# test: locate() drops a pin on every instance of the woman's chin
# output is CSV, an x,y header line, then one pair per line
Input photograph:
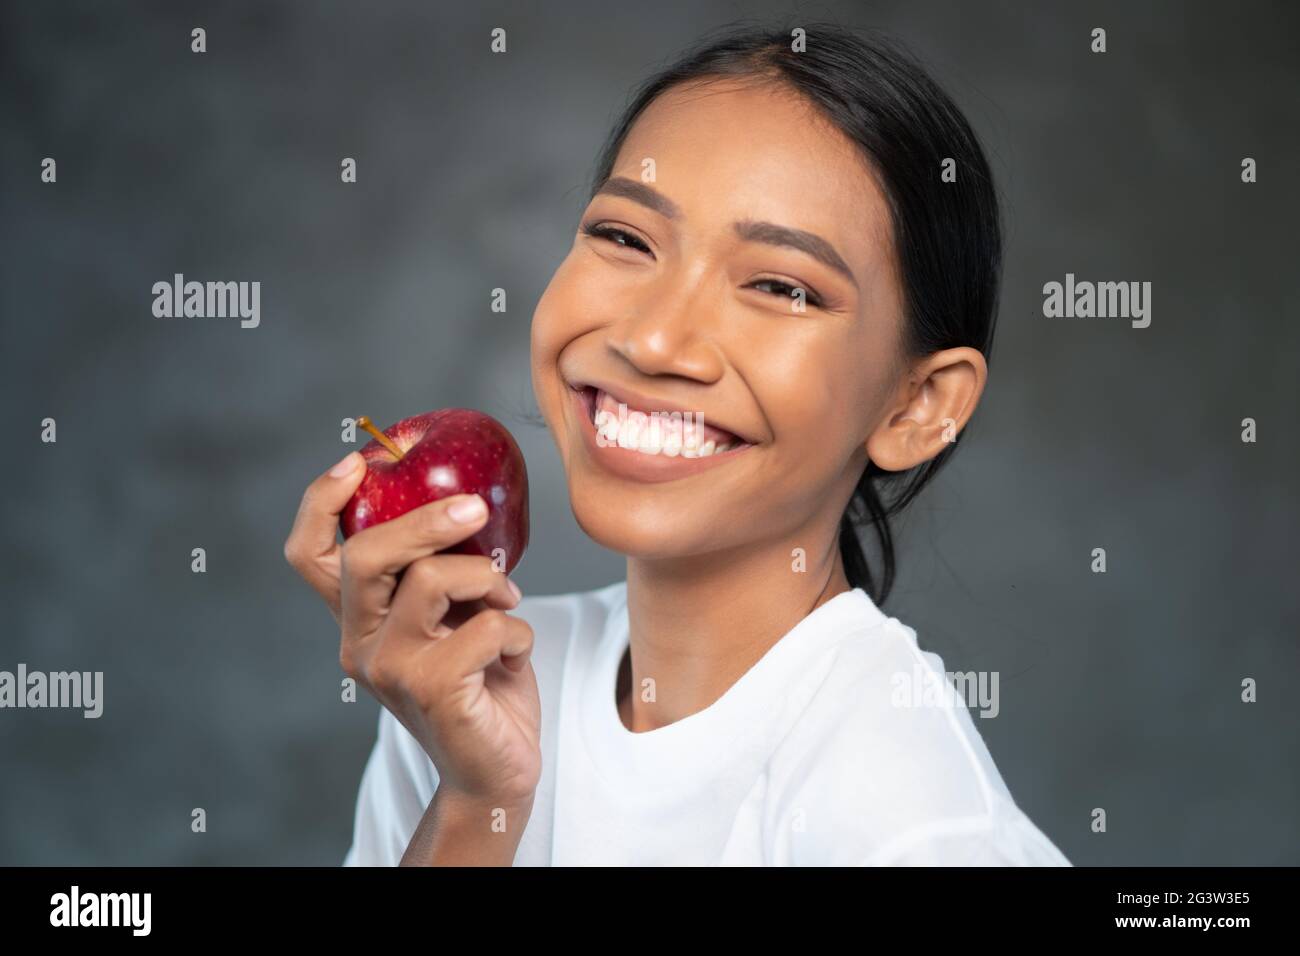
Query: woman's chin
x,y
639,531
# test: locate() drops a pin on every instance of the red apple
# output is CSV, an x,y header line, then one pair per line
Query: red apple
x,y
447,452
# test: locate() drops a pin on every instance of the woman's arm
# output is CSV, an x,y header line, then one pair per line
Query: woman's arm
x,y
457,830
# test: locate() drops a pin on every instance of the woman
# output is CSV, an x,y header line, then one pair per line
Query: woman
x,y
799,245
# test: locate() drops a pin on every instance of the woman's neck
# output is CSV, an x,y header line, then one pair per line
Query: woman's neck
x,y
696,625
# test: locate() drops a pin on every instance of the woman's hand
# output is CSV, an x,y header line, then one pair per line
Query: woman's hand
x,y
457,676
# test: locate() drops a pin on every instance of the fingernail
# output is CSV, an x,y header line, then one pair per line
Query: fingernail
x,y
471,509
347,466
514,589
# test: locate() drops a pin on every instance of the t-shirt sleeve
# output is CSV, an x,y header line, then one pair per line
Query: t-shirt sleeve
x,y
970,842
397,785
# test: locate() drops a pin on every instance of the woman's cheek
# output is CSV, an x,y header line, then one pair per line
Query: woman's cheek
x,y
565,311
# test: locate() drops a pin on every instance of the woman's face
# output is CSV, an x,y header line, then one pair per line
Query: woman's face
x,y
724,198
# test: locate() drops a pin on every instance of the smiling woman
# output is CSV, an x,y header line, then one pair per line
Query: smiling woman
x,y
798,273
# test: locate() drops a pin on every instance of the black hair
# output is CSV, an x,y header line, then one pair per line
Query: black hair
x,y
947,236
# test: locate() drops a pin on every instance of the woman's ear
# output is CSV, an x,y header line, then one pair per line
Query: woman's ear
x,y
931,406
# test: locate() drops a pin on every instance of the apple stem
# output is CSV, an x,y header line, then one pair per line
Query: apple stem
x,y
368,425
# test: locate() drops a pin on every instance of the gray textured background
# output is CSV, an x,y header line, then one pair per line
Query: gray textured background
x,y
1118,691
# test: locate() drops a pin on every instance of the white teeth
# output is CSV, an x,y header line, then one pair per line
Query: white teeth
x,y
655,435
629,435
652,437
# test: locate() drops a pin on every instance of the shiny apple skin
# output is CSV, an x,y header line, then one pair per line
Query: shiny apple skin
x,y
447,452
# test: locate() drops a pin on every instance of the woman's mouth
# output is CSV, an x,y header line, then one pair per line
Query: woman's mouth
x,y
653,432
650,444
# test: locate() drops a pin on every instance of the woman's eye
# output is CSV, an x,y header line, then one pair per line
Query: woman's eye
x,y
786,291
617,236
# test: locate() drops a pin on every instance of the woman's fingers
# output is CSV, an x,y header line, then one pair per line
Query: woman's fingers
x,y
389,547
429,585
371,559
487,636
311,548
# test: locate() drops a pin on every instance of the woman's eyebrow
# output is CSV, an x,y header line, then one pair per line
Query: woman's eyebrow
x,y
640,193
768,233
811,243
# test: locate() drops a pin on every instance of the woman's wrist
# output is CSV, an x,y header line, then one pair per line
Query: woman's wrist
x,y
458,829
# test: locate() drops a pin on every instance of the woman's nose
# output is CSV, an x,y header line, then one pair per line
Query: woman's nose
x,y
671,335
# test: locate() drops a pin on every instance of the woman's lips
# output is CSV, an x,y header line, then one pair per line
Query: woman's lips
x,y
666,464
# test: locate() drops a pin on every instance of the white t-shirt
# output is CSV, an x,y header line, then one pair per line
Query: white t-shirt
x,y
828,751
